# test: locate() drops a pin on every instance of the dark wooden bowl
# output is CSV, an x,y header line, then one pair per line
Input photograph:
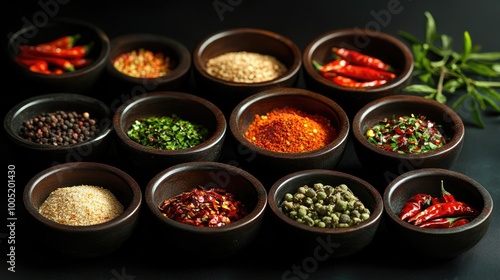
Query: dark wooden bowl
x,y
375,43
180,59
226,94
148,161
334,242
83,241
40,156
432,243
388,165
82,80
218,242
266,163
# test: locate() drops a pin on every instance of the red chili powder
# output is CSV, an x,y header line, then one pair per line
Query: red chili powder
x,y
289,130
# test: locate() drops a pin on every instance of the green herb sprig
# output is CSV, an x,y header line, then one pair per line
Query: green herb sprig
x,y
443,71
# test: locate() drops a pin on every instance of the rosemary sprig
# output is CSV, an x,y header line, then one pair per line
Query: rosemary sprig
x,y
442,71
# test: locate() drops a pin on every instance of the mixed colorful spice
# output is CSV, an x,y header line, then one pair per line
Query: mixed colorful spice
x,y
56,57
143,63
406,134
245,67
289,130
356,70
60,128
167,132
325,206
427,211
214,207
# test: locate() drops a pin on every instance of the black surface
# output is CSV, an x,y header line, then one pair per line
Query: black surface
x,y
301,21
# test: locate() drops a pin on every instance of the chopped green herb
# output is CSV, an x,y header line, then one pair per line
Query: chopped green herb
x,y
406,135
167,133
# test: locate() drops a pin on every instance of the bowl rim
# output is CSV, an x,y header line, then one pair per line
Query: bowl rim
x,y
252,216
453,143
181,51
404,74
292,72
217,136
342,132
50,97
375,216
96,64
131,210
483,216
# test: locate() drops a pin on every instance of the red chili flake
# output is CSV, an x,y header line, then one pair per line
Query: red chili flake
x,y
204,207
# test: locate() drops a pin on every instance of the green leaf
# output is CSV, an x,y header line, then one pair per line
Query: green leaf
x,y
420,89
487,56
491,103
410,38
481,69
476,115
430,29
452,85
459,101
467,47
440,97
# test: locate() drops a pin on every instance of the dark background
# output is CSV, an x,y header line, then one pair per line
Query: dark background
x,y
302,21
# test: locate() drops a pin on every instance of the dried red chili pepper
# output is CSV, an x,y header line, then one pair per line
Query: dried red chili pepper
x,y
56,61
64,42
28,62
414,205
358,72
361,59
348,82
442,210
442,222
74,52
447,196
205,208
460,222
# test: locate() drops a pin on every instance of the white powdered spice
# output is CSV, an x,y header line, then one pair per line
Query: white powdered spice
x,y
81,205
245,67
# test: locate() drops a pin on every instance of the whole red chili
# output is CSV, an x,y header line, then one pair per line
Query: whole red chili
x,y
442,210
460,222
74,52
362,73
55,61
447,196
443,222
80,62
36,63
361,59
414,205
348,82
204,207
64,42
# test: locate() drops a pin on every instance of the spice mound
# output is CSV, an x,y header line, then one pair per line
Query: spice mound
x,y
167,133
444,211
289,130
60,128
245,67
325,206
406,135
204,207
143,63
81,205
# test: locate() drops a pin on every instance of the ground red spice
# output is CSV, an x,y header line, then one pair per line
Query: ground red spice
x,y
289,130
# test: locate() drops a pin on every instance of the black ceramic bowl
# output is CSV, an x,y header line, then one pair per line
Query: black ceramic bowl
x,y
340,242
390,164
217,242
40,156
82,80
267,163
148,161
88,241
440,243
179,63
378,44
227,94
